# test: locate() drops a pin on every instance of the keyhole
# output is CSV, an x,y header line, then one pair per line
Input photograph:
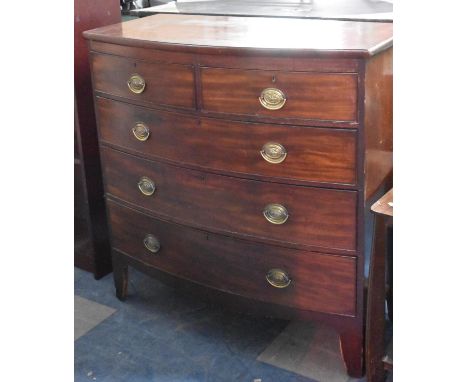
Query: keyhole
x,y
273,79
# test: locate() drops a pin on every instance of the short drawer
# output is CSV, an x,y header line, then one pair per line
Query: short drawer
x,y
302,95
275,212
298,279
157,83
287,152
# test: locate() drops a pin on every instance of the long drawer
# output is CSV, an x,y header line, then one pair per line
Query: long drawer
x,y
299,279
156,83
303,95
287,152
274,212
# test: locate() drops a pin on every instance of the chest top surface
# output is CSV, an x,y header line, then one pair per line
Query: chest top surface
x,y
196,33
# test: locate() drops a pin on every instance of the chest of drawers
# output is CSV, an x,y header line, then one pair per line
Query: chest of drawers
x,y
238,155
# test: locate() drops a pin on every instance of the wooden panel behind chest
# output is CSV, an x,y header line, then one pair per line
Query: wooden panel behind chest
x,y
313,154
317,217
319,282
166,84
321,96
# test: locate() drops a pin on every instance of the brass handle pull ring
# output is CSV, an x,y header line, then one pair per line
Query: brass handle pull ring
x,y
275,213
278,278
273,152
151,243
136,84
272,99
146,186
141,131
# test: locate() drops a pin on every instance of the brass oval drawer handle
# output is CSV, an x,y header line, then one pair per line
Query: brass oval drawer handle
x,y
272,99
141,131
273,152
146,186
278,278
276,213
136,84
152,243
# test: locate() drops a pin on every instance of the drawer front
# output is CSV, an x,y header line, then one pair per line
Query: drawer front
x,y
164,84
319,96
313,216
309,154
318,282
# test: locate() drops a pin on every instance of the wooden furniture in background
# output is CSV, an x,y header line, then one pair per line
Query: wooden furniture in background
x,y
359,10
92,251
380,271
239,158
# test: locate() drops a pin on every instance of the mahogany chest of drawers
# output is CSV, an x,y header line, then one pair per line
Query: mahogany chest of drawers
x,y
238,155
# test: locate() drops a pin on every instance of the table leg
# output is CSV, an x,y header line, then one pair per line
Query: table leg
x,y
120,268
375,320
352,345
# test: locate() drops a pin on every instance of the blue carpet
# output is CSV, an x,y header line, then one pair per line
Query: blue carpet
x,y
162,336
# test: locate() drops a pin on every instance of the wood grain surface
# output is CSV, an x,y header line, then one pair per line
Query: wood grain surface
x,y
308,95
322,283
378,122
95,255
384,206
313,154
235,34
320,218
166,84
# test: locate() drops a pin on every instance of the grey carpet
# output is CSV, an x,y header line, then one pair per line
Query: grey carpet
x,y
89,314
